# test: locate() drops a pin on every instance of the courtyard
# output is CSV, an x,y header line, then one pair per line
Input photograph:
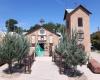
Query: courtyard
x,y
49,40
44,69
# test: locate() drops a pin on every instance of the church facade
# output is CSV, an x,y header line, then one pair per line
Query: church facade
x,y
44,39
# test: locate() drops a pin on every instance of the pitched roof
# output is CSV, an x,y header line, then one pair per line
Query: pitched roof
x,y
71,11
38,27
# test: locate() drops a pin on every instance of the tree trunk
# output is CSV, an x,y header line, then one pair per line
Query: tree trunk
x,y
10,67
74,70
19,62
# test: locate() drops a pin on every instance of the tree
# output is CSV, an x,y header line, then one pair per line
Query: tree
x,y
49,26
69,48
54,27
63,42
61,28
95,39
10,24
33,27
18,30
74,54
13,47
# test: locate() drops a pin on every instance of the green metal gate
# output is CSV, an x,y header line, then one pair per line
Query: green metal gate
x,y
38,50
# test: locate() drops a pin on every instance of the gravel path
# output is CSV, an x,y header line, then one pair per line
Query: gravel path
x,y
45,69
42,69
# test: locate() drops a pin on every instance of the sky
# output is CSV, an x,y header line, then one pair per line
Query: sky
x,y
29,12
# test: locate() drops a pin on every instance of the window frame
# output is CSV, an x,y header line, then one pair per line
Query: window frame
x,y
80,36
42,31
80,22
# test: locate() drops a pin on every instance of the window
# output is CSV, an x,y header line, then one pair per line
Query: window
x,y
81,35
80,22
42,31
42,37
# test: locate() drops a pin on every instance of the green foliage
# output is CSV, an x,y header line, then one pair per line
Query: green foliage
x,y
95,39
18,30
74,55
49,26
32,28
12,27
10,24
54,27
13,47
63,42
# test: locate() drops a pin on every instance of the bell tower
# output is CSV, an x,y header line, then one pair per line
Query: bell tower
x,y
79,19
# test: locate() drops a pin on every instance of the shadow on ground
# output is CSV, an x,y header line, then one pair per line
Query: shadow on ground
x,y
17,68
72,72
75,74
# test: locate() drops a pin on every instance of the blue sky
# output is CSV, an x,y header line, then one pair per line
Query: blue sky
x,y
29,12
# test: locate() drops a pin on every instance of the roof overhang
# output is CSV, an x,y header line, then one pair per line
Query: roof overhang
x,y
71,11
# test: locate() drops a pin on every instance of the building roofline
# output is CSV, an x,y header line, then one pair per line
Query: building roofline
x,y
38,27
80,6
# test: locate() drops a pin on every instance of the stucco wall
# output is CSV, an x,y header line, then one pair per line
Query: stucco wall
x,y
86,26
55,38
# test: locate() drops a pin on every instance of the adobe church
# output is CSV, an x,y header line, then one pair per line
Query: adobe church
x,y
76,19
42,40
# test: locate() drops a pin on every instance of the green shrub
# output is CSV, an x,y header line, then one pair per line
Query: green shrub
x,y
13,47
95,39
74,55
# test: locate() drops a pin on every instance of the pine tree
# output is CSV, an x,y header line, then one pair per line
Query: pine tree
x,y
61,48
13,47
74,55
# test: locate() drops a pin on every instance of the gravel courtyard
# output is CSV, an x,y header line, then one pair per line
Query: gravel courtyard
x,y
87,72
44,69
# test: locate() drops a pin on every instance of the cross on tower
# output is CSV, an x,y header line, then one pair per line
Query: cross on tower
x,y
42,21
